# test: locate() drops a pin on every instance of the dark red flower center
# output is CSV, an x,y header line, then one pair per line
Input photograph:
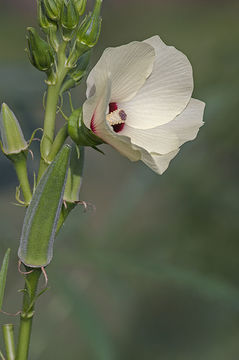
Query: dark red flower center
x,y
112,107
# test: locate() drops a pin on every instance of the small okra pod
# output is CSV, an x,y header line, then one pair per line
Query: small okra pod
x,y
40,223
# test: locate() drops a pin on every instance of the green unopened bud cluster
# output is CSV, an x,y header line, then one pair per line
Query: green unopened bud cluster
x,y
63,24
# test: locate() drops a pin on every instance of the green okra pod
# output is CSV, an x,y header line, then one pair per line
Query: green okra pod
x,y
40,223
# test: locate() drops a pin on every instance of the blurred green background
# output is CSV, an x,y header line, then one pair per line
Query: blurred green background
x,y
153,273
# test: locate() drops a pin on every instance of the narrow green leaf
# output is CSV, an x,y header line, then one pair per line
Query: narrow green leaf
x,y
3,275
39,227
1,356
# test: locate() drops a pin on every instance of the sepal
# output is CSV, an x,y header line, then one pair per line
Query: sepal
x,y
79,133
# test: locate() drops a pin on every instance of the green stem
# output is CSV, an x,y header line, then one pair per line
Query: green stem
x,y
1,356
21,169
8,336
51,109
58,142
27,313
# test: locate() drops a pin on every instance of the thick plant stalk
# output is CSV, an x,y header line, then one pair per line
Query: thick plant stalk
x,y
27,313
8,336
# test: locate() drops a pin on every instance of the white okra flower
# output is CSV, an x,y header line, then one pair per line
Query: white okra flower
x,y
139,101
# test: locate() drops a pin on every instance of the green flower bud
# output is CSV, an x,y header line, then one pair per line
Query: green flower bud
x,y
79,133
53,9
80,6
69,19
89,31
69,15
43,20
74,177
13,141
40,53
77,73
82,64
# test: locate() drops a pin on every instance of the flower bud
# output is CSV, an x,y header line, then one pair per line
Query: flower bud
x,y
69,15
77,73
44,22
74,177
82,64
53,9
40,53
89,31
80,6
13,141
69,19
79,133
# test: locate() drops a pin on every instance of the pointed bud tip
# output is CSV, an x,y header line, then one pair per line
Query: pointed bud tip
x,y
13,141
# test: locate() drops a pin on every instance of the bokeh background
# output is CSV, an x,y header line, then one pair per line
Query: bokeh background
x,y
153,273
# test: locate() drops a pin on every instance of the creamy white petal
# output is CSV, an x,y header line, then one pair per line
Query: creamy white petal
x,y
168,137
98,102
165,93
187,124
157,44
156,162
128,66
153,139
121,143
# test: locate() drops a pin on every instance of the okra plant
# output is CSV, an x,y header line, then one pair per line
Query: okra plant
x,y
138,100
